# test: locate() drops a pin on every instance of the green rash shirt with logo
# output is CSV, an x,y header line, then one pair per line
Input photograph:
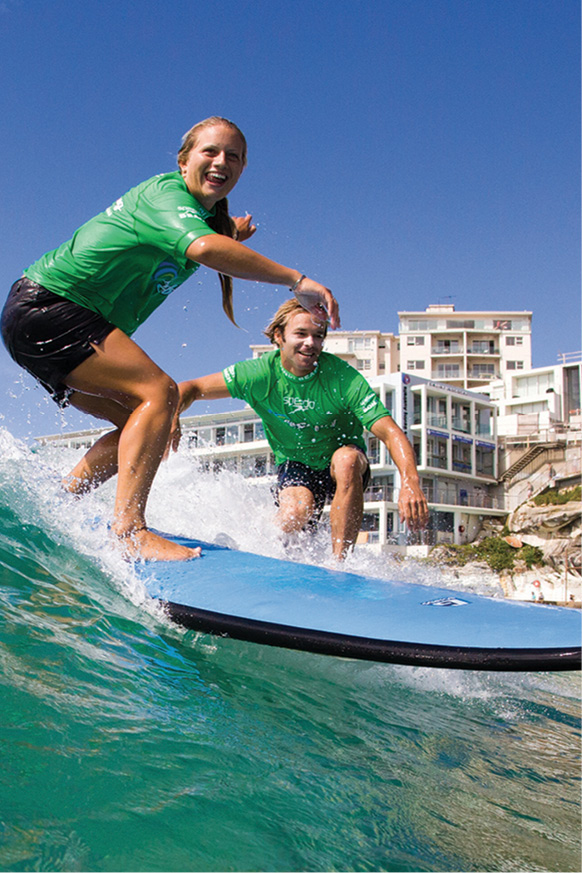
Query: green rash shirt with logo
x,y
124,262
306,418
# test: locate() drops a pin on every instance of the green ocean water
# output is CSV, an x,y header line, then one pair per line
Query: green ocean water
x,y
130,745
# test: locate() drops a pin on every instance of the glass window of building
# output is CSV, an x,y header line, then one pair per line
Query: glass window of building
x,y
232,434
437,411
484,460
461,417
461,456
436,450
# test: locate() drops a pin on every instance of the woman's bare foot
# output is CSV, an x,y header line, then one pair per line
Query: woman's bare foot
x,y
146,545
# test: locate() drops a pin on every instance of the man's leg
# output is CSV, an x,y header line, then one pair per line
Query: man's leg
x,y
296,505
348,466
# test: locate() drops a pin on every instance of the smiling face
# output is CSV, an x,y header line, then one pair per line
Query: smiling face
x,y
214,164
301,343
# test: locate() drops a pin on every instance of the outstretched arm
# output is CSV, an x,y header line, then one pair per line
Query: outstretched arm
x,y
412,504
227,256
211,387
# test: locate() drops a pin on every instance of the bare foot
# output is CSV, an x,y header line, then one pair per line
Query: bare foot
x,y
146,545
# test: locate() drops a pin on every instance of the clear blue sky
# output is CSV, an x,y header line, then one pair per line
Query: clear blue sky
x,y
403,152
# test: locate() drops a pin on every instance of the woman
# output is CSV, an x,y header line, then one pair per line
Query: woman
x,y
69,319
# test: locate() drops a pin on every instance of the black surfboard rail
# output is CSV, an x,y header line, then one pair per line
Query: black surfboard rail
x,y
364,648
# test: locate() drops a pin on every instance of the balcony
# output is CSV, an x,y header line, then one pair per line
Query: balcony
x,y
453,349
482,377
461,426
441,496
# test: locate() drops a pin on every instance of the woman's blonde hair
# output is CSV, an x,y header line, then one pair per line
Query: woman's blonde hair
x,y
283,316
221,221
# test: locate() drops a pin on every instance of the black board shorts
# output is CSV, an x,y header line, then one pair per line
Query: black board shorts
x,y
48,335
319,482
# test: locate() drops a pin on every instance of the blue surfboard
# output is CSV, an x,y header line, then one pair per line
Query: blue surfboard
x,y
300,606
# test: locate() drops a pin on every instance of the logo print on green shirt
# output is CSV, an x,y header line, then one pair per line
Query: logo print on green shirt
x,y
165,278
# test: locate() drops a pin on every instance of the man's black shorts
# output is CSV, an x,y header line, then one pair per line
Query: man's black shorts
x,y
48,335
319,482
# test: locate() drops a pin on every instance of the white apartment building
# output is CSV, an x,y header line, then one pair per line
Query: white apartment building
x,y
465,349
542,400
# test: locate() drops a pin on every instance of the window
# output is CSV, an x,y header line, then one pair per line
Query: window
x,y
415,365
480,371
461,457
483,347
437,411
461,417
373,451
483,421
232,434
436,451
514,365
484,458
454,324
448,371
417,409
259,430
447,347
513,340
360,343
414,340
204,436
248,432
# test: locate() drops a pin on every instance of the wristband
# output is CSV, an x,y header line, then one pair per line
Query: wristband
x,y
296,284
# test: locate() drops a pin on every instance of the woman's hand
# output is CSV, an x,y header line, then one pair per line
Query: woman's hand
x,y
244,228
316,298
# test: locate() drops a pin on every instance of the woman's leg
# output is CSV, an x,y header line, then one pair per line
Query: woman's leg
x,y
122,372
100,462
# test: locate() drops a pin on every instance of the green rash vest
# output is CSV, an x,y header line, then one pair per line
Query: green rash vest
x,y
306,418
124,262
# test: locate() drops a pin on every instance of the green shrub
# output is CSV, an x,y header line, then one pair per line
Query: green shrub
x,y
498,554
531,555
553,497
494,551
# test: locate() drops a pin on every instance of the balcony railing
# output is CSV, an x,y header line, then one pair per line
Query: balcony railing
x,y
460,425
434,419
440,495
477,350
453,350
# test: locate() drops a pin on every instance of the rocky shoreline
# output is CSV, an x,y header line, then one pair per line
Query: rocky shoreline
x,y
554,530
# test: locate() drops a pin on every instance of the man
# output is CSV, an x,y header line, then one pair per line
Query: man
x,y
314,407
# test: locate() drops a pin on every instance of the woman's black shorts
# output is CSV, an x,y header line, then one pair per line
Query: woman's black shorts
x,y
48,335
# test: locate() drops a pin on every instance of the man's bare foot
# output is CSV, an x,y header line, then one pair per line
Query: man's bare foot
x,y
145,545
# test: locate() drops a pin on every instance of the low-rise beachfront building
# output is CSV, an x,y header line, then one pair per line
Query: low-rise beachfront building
x,y
541,400
539,428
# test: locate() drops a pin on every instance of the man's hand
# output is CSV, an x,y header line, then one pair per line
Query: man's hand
x,y
412,505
